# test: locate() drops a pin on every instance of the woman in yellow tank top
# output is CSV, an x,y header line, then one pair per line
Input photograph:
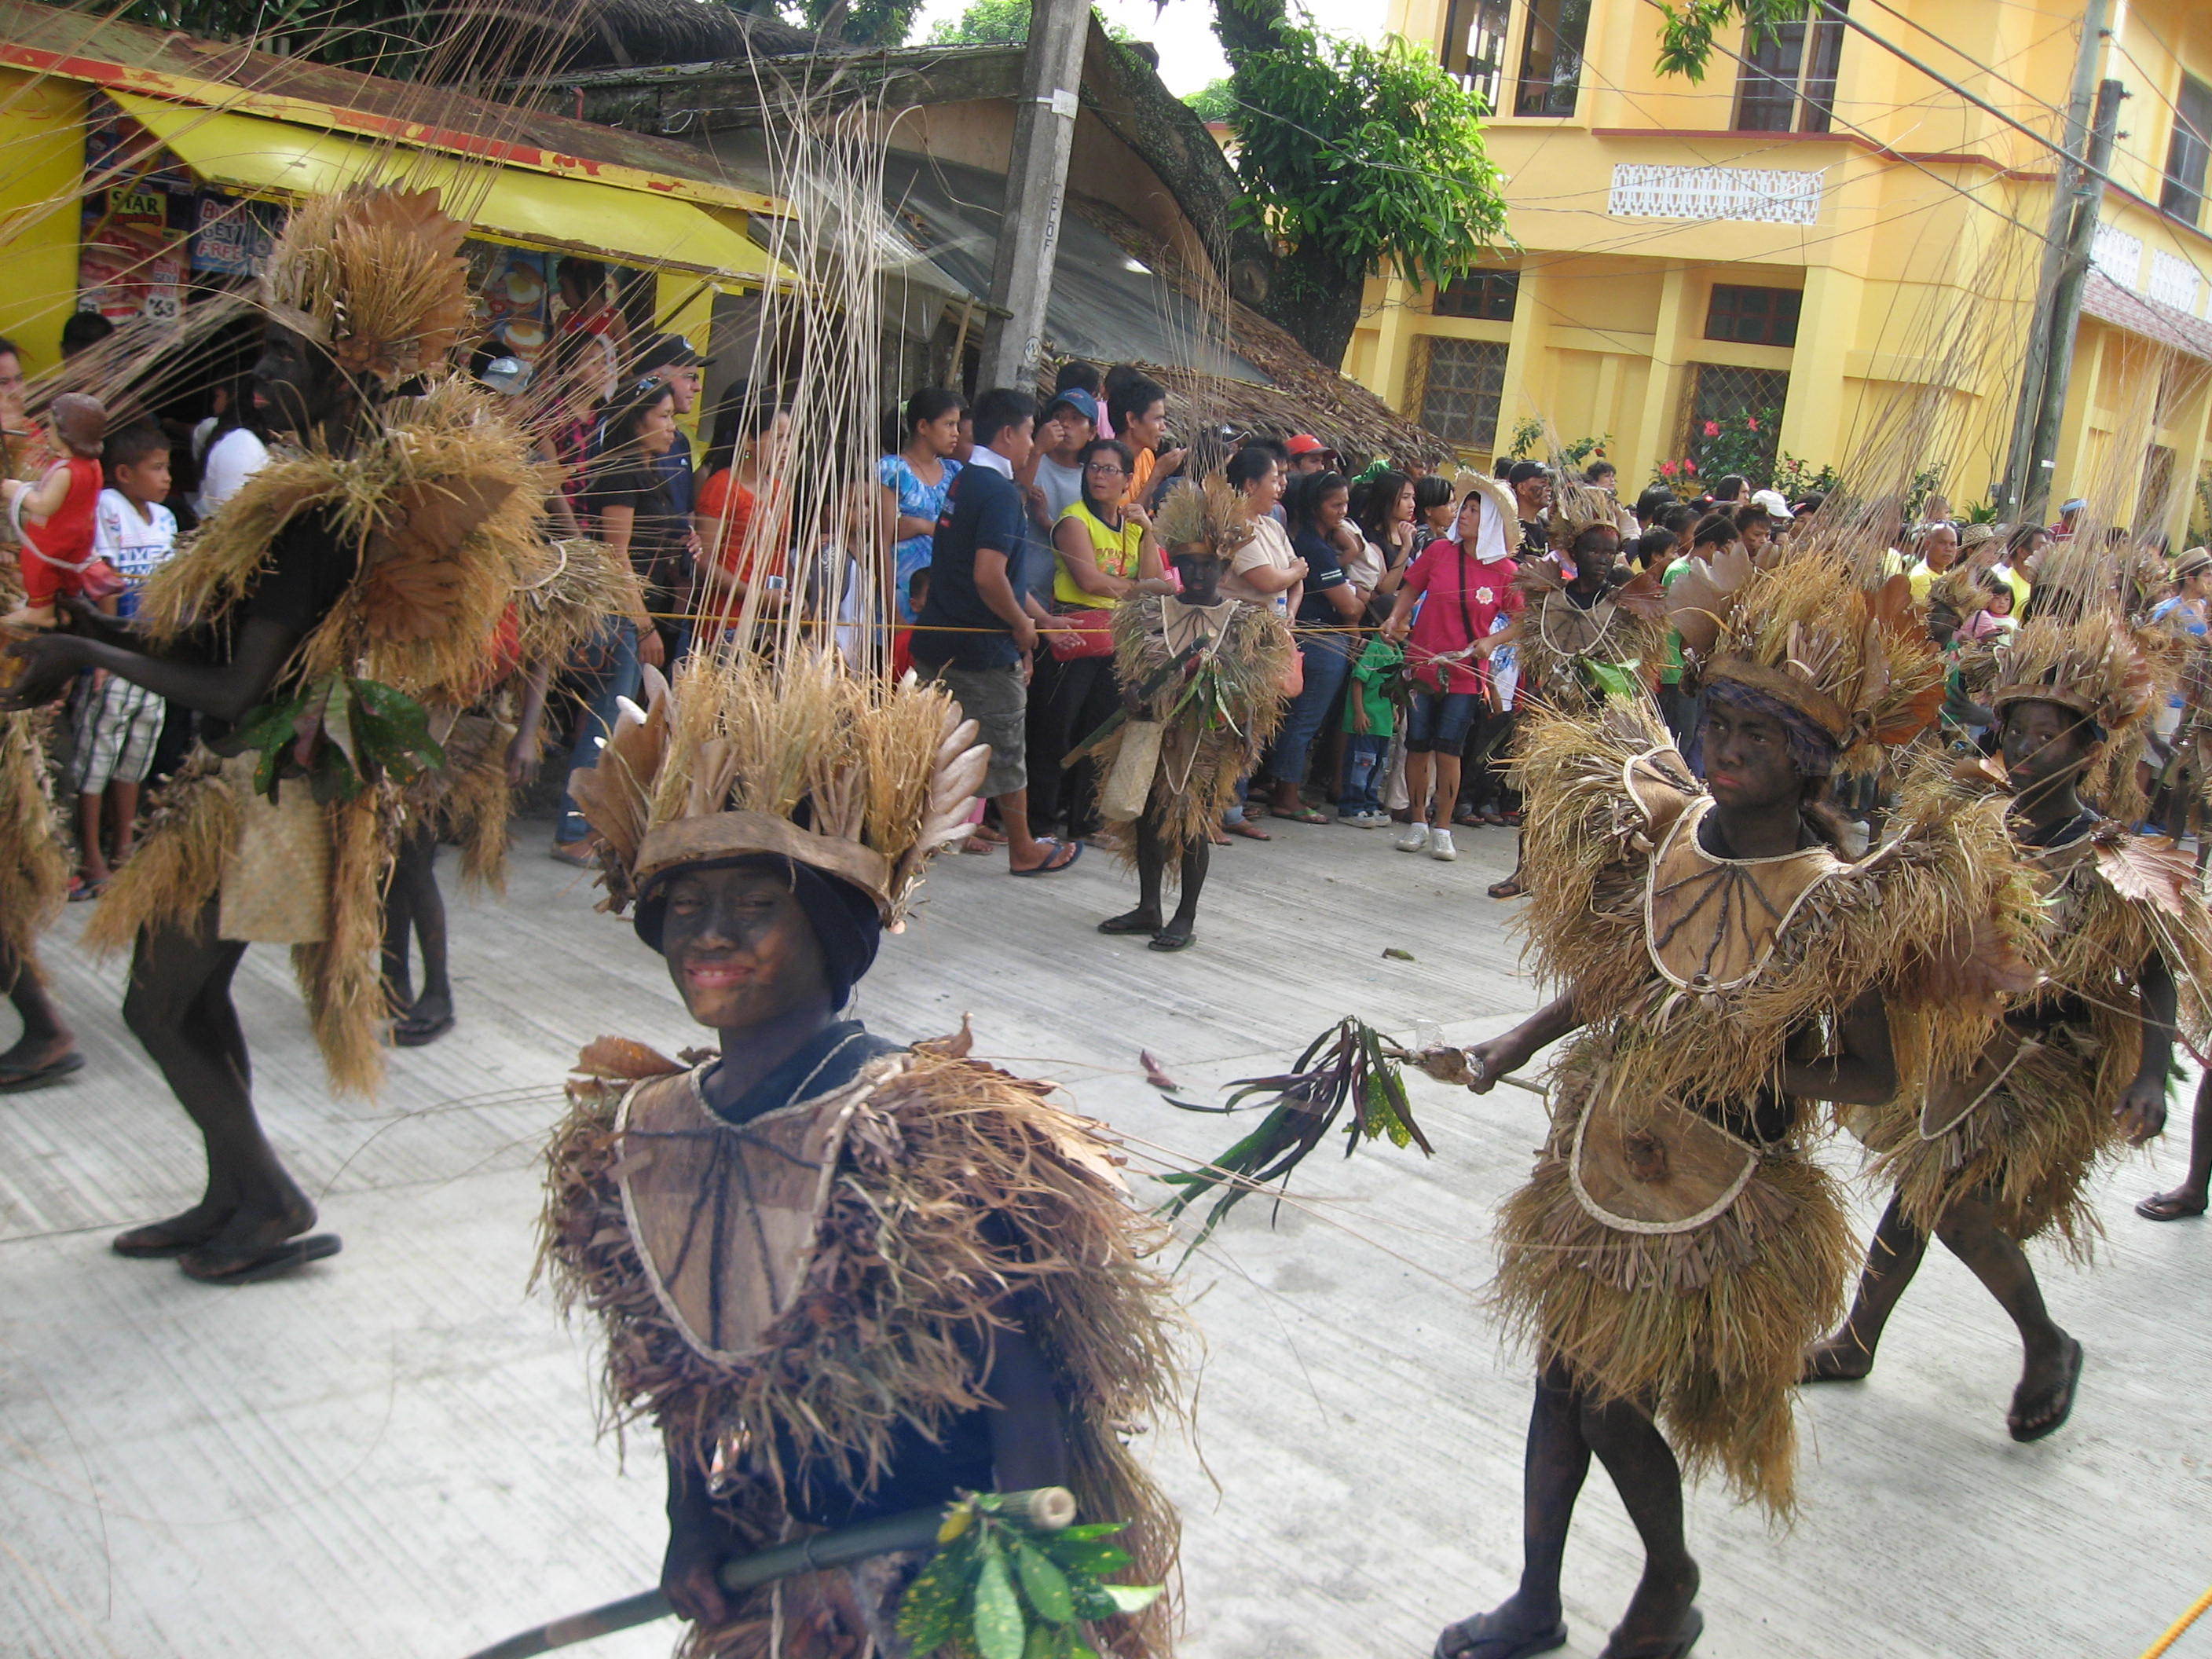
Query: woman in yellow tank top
x,y
1104,550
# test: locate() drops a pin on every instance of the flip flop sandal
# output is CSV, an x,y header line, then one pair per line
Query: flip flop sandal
x,y
1248,829
2063,1397
2161,1207
214,1266
1300,815
87,890
415,1034
1172,941
1474,1642
1507,888
1050,867
1694,1626
13,1082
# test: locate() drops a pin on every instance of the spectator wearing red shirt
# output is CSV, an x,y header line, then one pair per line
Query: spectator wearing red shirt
x,y
1455,594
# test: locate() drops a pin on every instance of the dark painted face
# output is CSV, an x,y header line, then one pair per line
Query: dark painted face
x,y
1748,765
1201,575
2042,744
740,949
1594,552
294,381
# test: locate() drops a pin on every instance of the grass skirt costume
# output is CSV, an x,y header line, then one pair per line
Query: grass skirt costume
x,y
441,508
33,873
2027,1122
787,1298
1676,1246
1180,763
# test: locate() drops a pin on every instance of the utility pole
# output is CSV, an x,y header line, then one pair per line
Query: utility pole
x,y
2019,463
1036,191
2066,303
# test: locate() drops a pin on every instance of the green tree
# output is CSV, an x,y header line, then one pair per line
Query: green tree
x,y
988,21
1214,101
860,22
1685,42
1355,159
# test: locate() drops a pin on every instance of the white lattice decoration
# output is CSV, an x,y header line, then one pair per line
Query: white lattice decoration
x,y
2118,255
1773,196
2173,281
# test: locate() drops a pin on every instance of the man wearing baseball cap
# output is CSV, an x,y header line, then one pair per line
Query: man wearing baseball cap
x,y
2069,517
1310,454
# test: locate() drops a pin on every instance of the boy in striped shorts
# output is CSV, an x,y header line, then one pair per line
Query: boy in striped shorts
x,y
118,723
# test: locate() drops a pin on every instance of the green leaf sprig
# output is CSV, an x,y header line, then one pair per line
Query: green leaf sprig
x,y
341,735
1000,1589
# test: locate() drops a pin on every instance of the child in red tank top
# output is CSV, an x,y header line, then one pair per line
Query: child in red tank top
x,y
56,516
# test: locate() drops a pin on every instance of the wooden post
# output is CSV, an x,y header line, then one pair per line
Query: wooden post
x,y
1036,191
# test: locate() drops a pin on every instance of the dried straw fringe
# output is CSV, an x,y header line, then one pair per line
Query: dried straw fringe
x,y
33,873
448,441
341,976
903,1293
1190,792
1707,1328
1898,926
177,870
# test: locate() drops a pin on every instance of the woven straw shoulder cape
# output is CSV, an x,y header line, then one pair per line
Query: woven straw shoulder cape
x,y
2029,1121
1205,731
1656,1251
1625,628
937,1200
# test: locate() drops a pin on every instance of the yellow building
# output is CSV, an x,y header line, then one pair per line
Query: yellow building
x,y
1821,231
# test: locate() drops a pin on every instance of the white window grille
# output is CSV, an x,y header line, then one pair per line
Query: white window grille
x,y
1773,196
2118,255
2173,281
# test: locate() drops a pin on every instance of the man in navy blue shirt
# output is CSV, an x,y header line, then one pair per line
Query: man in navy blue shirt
x,y
976,631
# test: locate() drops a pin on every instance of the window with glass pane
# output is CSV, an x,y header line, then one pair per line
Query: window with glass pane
x,y
1460,385
1552,57
2188,150
1753,316
1486,295
1474,47
1722,392
1787,82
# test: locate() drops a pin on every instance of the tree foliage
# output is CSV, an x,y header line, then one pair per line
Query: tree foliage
x,y
1357,159
1214,101
862,22
1685,42
988,21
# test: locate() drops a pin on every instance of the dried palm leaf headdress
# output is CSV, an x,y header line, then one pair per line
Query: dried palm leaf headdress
x,y
374,275
1579,506
858,779
1208,519
1852,659
2094,666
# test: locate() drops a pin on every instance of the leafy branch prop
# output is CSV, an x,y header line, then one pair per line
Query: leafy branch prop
x,y
1351,1066
1000,1588
342,735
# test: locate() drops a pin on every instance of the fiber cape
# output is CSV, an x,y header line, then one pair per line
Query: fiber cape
x,y
957,1190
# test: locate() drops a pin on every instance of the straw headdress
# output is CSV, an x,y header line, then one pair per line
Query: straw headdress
x,y
2094,666
1853,660
1208,519
375,275
1579,506
799,757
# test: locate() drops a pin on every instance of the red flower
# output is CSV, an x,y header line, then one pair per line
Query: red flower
x,y
1690,467
1751,423
1668,469
1713,428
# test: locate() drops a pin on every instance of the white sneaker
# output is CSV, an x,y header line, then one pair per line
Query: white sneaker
x,y
1415,839
1440,845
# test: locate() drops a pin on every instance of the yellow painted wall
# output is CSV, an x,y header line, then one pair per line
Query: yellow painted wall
x,y
41,178
1917,285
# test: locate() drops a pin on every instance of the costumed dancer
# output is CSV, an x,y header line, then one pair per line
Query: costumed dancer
x,y
1202,680
844,1278
1589,627
1998,1153
359,574
33,883
1725,968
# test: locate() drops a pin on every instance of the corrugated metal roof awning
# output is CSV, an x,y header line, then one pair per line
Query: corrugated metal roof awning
x,y
535,209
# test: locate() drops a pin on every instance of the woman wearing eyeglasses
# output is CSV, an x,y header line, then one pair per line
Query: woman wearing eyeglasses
x,y
1103,551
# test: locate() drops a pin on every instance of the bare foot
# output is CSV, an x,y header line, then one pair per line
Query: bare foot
x,y
1840,1359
